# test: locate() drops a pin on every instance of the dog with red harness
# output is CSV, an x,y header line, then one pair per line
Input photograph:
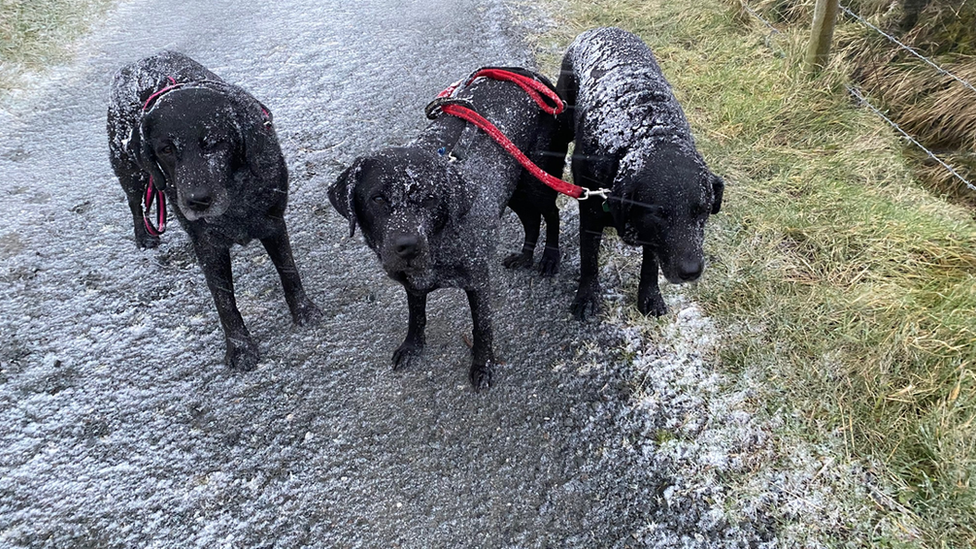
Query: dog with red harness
x,y
177,131
430,209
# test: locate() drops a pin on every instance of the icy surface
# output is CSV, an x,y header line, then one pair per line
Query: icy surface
x,y
120,426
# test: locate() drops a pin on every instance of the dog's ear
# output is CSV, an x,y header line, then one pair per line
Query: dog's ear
x,y
140,146
718,191
342,193
461,194
259,142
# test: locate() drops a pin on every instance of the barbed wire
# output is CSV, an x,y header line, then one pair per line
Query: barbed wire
x,y
860,97
864,101
773,31
908,49
752,12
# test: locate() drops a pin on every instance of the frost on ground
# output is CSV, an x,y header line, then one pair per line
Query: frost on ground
x,y
716,465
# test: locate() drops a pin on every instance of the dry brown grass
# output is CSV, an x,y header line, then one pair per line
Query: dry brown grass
x,y
933,107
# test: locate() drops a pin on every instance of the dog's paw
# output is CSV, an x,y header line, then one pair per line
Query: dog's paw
x,y
586,304
549,265
145,240
242,354
480,375
652,304
517,261
406,354
306,314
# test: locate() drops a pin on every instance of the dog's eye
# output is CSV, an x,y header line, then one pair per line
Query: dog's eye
x,y
379,199
166,150
210,146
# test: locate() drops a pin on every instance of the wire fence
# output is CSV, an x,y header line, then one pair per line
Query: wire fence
x,y
909,49
864,101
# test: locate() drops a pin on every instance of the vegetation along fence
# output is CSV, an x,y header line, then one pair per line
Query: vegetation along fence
x,y
825,16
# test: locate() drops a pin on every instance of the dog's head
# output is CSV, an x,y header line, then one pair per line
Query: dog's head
x,y
664,204
204,141
404,200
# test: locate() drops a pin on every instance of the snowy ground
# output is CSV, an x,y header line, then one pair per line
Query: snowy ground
x,y
120,426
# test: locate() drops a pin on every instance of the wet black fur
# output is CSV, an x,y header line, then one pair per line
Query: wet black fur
x,y
430,210
662,205
212,147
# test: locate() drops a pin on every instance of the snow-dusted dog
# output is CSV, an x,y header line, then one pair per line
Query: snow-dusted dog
x,y
176,130
632,138
430,210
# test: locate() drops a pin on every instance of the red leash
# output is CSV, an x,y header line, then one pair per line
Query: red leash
x,y
154,194
544,96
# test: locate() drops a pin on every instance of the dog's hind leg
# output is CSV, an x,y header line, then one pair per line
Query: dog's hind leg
x,y
649,299
531,218
413,344
482,362
242,352
549,265
278,246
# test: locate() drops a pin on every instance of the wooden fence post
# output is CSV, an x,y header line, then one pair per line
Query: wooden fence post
x,y
824,17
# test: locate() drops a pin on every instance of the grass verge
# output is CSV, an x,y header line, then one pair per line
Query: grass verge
x,y
852,287
35,34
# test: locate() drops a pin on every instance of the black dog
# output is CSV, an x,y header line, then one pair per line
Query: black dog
x,y
430,210
633,139
175,126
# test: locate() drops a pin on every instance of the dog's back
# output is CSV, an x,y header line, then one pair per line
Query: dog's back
x,y
492,173
620,94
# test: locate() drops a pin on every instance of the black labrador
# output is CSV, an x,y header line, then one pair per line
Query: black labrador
x,y
430,209
633,138
176,128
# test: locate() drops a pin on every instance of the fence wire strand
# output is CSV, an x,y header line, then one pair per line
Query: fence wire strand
x,y
865,102
860,97
908,49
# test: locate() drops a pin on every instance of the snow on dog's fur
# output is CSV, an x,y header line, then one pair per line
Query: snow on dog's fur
x,y
632,138
212,147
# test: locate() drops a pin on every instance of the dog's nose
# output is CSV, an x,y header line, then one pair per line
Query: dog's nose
x,y
406,246
199,200
690,270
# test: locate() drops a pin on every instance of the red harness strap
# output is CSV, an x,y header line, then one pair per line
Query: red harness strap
x,y
547,99
154,194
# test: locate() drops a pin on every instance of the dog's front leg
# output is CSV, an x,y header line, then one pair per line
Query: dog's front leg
x,y
482,363
413,344
649,300
278,246
134,185
242,352
587,300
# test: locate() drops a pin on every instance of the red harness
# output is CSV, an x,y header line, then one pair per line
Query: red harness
x,y
544,96
154,194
